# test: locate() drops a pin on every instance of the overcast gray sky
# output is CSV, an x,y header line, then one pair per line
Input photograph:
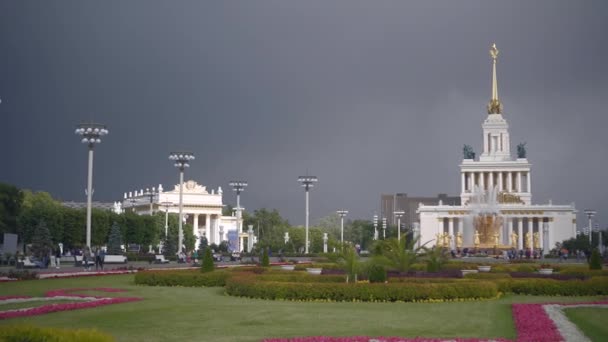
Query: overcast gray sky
x,y
370,96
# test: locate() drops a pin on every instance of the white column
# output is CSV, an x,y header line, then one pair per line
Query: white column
x,y
439,229
500,182
195,230
518,181
509,229
490,180
540,233
520,233
208,228
481,180
463,180
471,181
216,228
528,188
460,225
530,229
451,230
509,182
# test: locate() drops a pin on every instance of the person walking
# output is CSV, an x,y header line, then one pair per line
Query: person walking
x,y
58,258
97,259
86,257
102,256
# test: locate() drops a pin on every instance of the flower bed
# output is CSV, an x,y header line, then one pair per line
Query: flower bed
x,y
85,301
549,287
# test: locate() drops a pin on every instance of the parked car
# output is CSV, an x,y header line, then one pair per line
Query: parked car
x,y
235,256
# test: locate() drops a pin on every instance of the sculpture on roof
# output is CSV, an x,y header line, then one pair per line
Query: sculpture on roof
x,y
521,150
467,152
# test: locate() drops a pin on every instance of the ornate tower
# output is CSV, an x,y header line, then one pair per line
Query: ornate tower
x,y
495,127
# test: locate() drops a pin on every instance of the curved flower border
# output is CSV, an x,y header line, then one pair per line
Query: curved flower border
x,y
88,301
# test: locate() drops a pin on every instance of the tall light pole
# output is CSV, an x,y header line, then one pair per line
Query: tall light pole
x,y
238,187
166,205
375,227
181,161
590,213
342,214
399,214
307,183
91,134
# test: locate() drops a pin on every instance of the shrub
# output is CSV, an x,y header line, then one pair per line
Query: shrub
x,y
37,334
265,259
551,287
249,286
207,265
182,278
487,275
377,274
20,274
595,262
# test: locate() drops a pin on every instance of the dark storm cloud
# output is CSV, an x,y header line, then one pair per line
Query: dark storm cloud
x,y
371,97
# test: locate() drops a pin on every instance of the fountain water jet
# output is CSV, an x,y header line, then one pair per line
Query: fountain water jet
x,y
487,221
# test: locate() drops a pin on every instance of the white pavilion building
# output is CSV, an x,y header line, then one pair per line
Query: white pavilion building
x,y
496,197
201,208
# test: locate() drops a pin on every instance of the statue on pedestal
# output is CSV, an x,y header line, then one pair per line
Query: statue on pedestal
x,y
467,152
537,240
528,240
439,240
514,237
447,240
496,240
477,241
521,150
459,239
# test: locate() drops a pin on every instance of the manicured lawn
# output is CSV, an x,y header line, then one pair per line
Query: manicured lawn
x,y
592,321
206,314
13,306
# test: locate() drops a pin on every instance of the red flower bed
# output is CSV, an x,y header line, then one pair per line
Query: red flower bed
x,y
533,324
44,309
378,339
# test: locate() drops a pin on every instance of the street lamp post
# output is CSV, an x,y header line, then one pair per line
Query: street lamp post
x,y
238,187
91,134
399,214
166,205
307,183
342,214
375,227
590,213
181,161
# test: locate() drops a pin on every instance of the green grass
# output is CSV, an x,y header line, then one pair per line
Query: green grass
x,y
32,304
592,321
206,314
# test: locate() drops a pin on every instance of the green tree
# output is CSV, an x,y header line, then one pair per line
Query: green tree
x,y
436,258
207,265
115,240
595,262
11,199
39,206
42,243
268,226
265,258
348,260
399,254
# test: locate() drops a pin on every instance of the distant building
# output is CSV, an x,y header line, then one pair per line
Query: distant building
x,y
94,205
389,203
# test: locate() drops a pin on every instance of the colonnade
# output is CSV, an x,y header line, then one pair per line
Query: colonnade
x,y
213,232
509,181
531,232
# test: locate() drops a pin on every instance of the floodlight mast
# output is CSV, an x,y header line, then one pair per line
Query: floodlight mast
x,y
181,161
238,187
307,182
91,134
342,214
399,214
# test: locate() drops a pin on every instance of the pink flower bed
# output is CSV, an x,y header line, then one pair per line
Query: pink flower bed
x,y
94,301
379,339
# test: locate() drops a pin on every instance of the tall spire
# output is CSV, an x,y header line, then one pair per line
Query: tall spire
x,y
494,107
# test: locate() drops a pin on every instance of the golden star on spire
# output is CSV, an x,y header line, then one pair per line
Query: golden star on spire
x,y
494,107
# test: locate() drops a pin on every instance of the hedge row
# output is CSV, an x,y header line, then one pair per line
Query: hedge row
x,y
182,278
550,287
36,334
250,286
300,277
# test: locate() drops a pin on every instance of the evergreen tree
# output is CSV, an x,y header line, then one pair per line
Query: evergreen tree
x,y
115,240
265,259
203,245
169,246
595,263
42,243
207,265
